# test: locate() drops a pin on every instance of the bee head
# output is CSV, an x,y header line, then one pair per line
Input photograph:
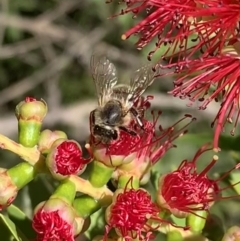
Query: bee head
x,y
105,131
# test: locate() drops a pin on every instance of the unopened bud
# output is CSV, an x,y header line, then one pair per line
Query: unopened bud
x,y
8,190
30,114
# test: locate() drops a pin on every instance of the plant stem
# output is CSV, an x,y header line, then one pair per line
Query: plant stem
x,y
102,194
30,155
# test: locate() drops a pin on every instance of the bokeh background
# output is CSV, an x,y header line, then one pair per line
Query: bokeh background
x,y
45,49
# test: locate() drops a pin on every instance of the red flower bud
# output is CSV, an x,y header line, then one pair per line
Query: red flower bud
x,y
65,158
55,220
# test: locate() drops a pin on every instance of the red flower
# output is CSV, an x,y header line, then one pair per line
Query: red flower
x,y
219,24
54,220
154,143
131,214
215,78
165,19
186,190
65,158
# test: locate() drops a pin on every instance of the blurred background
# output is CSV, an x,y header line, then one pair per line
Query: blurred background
x,y
45,49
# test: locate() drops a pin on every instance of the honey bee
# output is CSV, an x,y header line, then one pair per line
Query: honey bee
x,y
116,108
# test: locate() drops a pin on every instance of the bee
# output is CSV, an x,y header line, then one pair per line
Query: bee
x,y
116,107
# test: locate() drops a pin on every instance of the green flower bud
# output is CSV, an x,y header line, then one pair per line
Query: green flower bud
x,y
46,139
30,114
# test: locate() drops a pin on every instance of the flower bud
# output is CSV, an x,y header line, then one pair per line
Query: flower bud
x,y
30,114
8,190
65,159
55,219
85,206
46,139
12,180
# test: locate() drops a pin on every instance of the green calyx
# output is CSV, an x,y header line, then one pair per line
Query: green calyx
x,y
128,182
100,174
85,206
196,222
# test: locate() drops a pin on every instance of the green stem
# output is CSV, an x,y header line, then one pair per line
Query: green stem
x,y
100,174
22,174
29,132
66,190
128,182
103,194
30,155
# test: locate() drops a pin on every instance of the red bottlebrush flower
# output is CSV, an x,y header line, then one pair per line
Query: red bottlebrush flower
x,y
186,190
215,78
131,214
146,147
65,158
151,148
54,220
219,24
165,20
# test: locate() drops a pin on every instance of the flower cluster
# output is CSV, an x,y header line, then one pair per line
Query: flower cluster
x,y
124,144
200,43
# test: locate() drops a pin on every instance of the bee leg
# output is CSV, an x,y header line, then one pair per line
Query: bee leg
x,y
130,132
137,116
107,149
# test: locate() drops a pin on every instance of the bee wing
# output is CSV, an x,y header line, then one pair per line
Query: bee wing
x,y
141,79
104,76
